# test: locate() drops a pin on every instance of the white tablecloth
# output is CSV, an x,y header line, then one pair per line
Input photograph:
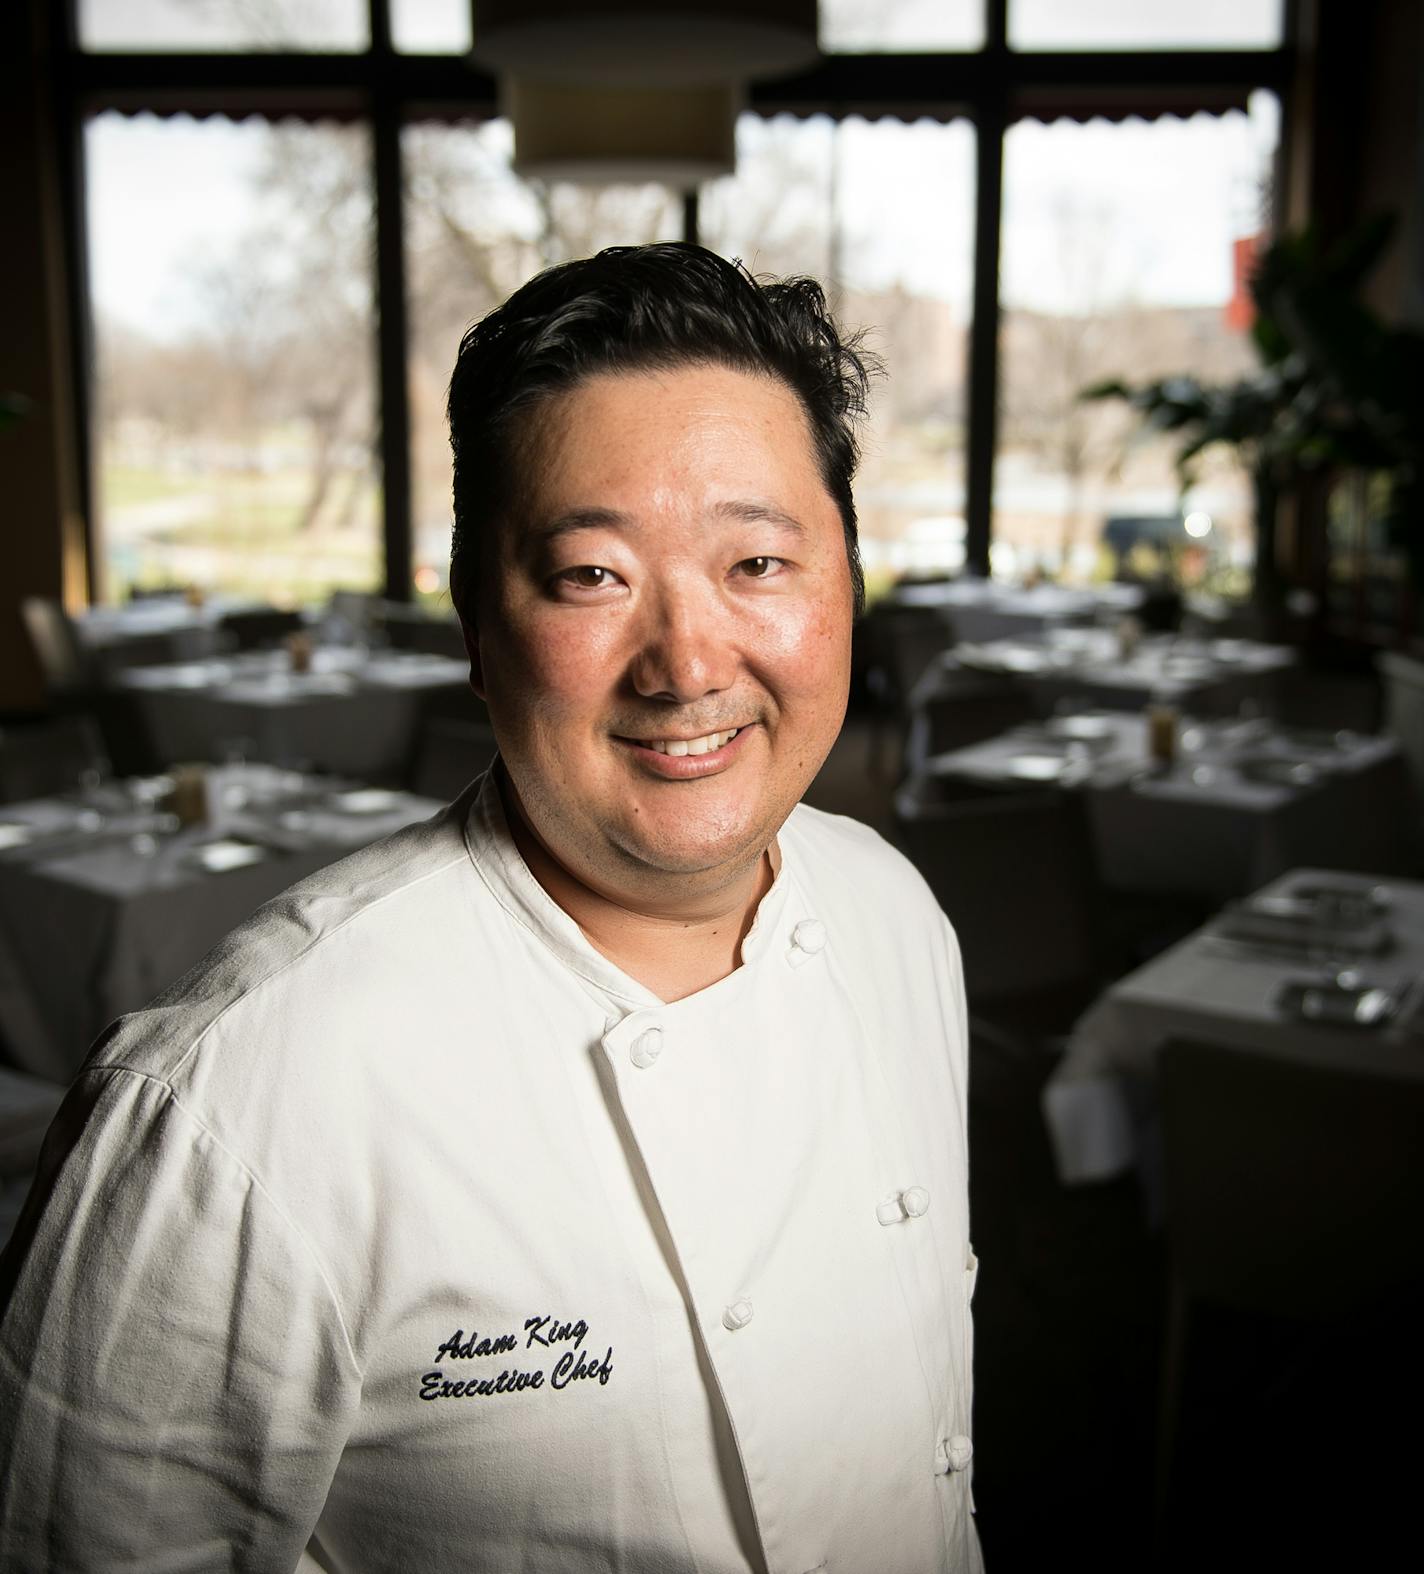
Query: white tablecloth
x,y
1100,1103
161,628
104,907
986,609
1210,826
354,713
1079,668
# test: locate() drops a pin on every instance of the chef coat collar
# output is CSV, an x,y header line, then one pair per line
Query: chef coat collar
x,y
501,865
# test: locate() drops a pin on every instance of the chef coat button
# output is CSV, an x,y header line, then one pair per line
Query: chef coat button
x,y
954,1453
737,1315
916,1201
646,1047
892,1210
809,935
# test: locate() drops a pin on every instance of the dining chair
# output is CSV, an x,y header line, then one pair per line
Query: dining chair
x,y
1403,680
414,629
352,615
54,755
55,640
1014,872
79,695
1306,696
899,643
448,755
1294,1194
952,706
259,628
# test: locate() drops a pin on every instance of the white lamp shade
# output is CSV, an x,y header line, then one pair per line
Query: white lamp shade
x,y
566,131
651,42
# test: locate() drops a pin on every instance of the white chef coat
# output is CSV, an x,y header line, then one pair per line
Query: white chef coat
x,y
410,1231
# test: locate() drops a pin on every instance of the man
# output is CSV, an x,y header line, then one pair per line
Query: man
x,y
576,1181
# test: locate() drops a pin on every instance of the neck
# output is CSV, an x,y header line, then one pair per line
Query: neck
x,y
673,940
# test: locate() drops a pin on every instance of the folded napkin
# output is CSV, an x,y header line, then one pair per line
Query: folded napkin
x,y
1344,1005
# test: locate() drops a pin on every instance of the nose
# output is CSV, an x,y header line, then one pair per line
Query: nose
x,y
685,648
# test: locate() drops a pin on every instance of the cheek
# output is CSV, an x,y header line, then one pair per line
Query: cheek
x,y
559,663
809,651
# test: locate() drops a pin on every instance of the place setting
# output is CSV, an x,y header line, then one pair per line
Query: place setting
x,y
1337,943
1319,921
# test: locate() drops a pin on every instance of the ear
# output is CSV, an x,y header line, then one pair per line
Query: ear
x,y
472,650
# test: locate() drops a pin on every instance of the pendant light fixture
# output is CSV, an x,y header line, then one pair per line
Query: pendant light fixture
x,y
572,131
647,43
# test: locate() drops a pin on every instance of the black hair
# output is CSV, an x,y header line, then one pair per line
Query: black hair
x,y
639,308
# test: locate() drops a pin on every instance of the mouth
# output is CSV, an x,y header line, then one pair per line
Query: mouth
x,y
708,743
683,759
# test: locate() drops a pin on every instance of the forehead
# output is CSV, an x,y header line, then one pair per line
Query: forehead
x,y
700,426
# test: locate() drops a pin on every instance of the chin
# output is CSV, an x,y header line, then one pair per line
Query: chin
x,y
683,850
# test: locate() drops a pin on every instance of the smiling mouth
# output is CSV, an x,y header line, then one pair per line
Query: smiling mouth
x,y
708,743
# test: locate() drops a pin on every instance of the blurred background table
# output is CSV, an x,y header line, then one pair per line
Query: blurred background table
x,y
105,900
355,712
1083,667
1243,801
987,609
1215,987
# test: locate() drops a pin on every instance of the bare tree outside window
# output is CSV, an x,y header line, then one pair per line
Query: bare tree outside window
x,y
236,411
1121,245
224,25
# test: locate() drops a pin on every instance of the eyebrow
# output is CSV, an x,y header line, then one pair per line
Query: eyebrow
x,y
745,510
754,511
575,519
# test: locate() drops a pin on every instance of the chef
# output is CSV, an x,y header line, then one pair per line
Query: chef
x,y
576,1181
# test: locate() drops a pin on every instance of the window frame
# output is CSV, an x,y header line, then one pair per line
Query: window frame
x,y
992,87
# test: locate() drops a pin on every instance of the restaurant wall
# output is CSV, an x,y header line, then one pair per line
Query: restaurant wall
x,y
1357,141
41,529
1391,172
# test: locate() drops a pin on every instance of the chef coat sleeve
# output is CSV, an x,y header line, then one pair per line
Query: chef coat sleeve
x,y
176,1381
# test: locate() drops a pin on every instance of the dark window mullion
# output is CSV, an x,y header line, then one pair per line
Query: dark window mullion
x,y
68,123
981,437
394,412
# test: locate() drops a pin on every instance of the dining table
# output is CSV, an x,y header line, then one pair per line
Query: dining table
x,y
990,609
1077,668
1316,967
350,709
108,895
156,629
1240,801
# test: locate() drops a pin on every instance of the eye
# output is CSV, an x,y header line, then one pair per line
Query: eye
x,y
760,567
585,576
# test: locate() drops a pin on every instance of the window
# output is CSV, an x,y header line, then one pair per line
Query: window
x,y
235,437
234,399
855,26
431,27
226,25
1156,24
1120,260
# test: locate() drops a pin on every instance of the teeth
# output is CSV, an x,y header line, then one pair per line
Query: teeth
x,y
680,746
